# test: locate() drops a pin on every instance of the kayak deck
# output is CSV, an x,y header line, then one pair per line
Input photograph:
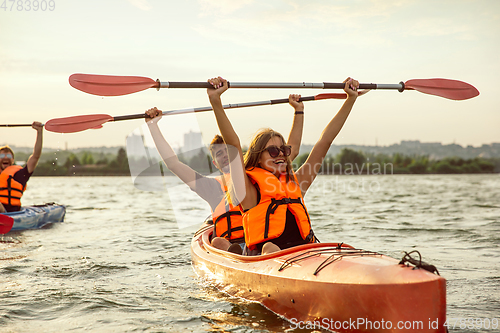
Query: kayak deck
x,y
35,217
328,283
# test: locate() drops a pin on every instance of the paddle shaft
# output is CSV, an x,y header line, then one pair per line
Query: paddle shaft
x,y
190,110
15,125
208,108
325,85
111,85
85,122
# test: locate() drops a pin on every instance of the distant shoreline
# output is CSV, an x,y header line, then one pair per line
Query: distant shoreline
x,y
347,161
434,150
321,174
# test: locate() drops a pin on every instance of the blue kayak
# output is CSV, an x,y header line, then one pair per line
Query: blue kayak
x,y
34,217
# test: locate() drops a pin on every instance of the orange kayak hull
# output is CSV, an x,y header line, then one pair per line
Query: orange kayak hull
x,y
328,286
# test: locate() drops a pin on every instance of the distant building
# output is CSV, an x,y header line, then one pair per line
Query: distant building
x,y
410,143
135,145
192,144
192,140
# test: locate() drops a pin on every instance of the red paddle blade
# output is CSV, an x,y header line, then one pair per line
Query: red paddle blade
x,y
330,95
6,223
338,95
451,89
77,123
110,85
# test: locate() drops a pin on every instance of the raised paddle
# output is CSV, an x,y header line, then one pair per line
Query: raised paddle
x,y
93,121
19,125
16,125
6,223
111,85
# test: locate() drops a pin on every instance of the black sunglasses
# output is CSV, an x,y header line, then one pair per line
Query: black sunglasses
x,y
274,151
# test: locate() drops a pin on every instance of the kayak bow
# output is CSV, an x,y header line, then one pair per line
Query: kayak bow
x,y
35,217
329,284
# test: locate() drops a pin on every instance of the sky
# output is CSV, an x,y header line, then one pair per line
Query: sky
x,y
378,41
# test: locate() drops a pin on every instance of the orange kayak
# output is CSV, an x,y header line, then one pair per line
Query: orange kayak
x,y
328,286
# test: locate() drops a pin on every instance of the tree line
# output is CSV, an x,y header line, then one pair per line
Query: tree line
x,y
85,164
351,162
347,162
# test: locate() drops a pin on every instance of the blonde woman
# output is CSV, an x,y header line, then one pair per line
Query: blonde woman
x,y
269,191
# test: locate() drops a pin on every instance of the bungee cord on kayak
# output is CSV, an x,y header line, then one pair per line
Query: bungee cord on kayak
x,y
350,253
336,253
418,263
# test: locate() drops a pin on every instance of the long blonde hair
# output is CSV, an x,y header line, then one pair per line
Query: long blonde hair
x,y
257,147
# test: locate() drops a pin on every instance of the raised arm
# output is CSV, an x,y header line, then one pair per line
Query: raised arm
x,y
295,136
37,150
226,128
241,188
181,170
308,171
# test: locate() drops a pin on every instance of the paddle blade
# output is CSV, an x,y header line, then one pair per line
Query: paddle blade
x,y
451,89
6,223
331,95
77,123
110,85
338,95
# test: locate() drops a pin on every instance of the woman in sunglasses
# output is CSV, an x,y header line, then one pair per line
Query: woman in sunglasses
x,y
13,178
269,191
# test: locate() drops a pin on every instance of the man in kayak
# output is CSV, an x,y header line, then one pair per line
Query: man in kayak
x,y
227,217
13,178
271,196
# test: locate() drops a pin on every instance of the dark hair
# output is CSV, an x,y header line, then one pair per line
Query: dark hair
x,y
217,140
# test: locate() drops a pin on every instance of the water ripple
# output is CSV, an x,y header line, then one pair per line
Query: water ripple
x,y
119,262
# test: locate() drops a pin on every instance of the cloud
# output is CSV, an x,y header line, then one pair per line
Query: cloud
x,y
438,27
246,22
223,7
374,23
141,4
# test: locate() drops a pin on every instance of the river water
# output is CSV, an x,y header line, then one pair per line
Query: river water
x,y
120,262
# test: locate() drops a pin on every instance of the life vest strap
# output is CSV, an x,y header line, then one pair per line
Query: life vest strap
x,y
233,229
9,196
11,189
311,238
272,208
229,230
7,190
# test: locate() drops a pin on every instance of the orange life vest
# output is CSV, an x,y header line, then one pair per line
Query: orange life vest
x,y
11,191
266,221
227,219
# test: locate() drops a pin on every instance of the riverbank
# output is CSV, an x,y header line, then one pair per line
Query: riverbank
x,y
347,162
